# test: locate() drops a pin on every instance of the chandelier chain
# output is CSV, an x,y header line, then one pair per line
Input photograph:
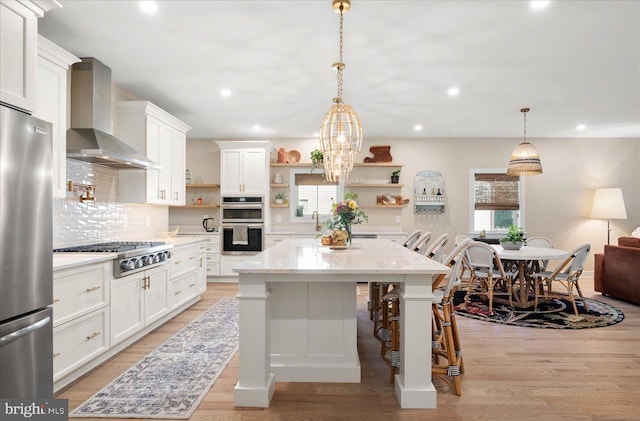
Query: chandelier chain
x,y
340,63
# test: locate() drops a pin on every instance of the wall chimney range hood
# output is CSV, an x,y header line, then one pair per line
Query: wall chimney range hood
x,y
89,138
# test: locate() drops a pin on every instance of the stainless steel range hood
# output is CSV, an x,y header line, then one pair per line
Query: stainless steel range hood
x,y
89,137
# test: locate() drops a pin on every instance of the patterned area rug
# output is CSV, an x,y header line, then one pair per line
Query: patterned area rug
x,y
557,314
171,381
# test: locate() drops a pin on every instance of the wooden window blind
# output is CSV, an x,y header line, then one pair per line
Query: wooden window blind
x,y
497,192
312,180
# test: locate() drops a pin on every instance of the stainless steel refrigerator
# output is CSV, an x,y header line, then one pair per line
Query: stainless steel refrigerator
x,y
26,266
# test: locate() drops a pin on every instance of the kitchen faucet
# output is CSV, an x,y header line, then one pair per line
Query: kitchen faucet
x,y
315,214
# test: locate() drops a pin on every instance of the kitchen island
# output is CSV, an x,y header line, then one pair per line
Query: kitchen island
x,y
297,305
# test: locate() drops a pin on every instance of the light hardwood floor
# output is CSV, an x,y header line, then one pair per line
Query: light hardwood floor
x,y
511,373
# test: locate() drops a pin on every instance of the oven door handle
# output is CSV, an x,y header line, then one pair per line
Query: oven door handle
x,y
242,206
248,226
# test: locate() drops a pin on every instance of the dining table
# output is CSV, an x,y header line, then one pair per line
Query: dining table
x,y
519,262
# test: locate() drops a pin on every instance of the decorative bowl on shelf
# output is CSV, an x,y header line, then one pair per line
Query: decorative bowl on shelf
x,y
293,156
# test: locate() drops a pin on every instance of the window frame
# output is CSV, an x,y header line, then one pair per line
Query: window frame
x,y
472,198
293,195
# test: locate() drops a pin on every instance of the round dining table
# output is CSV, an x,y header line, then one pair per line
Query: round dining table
x,y
522,258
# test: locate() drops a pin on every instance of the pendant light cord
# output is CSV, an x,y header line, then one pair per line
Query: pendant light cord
x,y
340,63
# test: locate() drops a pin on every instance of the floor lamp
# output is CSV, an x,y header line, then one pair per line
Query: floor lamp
x,y
608,204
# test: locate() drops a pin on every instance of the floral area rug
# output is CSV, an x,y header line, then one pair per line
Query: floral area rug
x,y
557,314
171,381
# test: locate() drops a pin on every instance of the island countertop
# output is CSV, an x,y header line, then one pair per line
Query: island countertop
x,y
365,256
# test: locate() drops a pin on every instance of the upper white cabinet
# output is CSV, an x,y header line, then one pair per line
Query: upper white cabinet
x,y
19,50
51,104
162,138
244,168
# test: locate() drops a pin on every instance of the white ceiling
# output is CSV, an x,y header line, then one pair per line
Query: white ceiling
x,y
575,62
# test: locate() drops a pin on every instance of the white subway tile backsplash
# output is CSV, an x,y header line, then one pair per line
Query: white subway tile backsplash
x,y
77,223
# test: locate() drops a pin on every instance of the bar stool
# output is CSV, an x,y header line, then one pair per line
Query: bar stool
x,y
390,335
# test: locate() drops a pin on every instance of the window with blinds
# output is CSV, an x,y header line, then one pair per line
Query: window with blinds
x,y
313,192
496,192
497,201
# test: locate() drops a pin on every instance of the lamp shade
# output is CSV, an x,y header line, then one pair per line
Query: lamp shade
x,y
608,204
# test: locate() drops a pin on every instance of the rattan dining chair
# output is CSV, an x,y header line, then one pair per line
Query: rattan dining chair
x,y
487,273
378,289
567,274
421,242
434,251
539,265
448,342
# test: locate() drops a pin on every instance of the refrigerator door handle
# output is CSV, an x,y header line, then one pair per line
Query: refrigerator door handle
x,y
24,331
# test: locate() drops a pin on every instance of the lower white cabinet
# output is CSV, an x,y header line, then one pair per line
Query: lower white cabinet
x,y
79,341
80,316
183,289
138,300
201,282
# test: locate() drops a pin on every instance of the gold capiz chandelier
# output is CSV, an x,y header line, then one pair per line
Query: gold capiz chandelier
x,y
341,131
525,159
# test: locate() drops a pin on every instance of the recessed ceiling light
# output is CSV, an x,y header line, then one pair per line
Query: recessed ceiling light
x,y
540,4
225,93
453,91
256,127
581,127
417,127
149,7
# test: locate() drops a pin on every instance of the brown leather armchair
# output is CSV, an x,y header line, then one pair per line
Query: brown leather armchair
x,y
617,271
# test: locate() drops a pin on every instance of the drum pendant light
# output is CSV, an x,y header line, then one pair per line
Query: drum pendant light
x,y
341,131
525,159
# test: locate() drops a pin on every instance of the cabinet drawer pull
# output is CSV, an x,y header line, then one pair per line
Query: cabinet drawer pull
x,y
177,292
192,258
92,289
55,300
56,354
177,262
93,335
192,285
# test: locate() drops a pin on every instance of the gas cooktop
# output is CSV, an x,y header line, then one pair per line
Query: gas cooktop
x,y
111,247
133,256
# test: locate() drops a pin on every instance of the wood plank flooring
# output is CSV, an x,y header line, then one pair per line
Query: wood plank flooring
x,y
511,373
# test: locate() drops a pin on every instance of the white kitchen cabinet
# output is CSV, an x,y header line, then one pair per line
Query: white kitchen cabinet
x,y
51,105
138,300
183,289
80,315
79,341
162,138
202,268
19,50
213,256
184,259
242,171
80,290
244,167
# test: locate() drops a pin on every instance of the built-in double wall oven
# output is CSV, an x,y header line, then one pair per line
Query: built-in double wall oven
x,y
242,225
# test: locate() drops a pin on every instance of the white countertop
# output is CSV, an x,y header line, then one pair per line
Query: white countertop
x,y
365,256
69,260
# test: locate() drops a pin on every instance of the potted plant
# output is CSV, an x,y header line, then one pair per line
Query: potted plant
x,y
395,177
280,197
300,210
514,239
316,158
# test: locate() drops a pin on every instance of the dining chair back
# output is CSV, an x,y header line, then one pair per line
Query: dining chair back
x,y
410,239
567,274
539,265
421,242
487,274
445,337
434,251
